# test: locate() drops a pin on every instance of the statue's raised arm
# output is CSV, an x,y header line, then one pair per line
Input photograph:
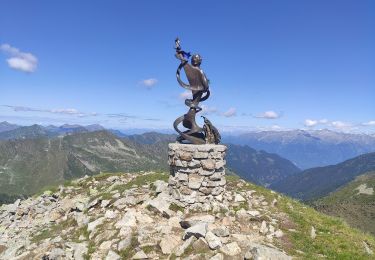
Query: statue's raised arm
x,y
180,54
196,77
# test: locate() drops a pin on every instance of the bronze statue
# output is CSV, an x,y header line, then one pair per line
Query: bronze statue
x,y
199,86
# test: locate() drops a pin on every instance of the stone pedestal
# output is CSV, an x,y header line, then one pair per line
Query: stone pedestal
x,y
197,172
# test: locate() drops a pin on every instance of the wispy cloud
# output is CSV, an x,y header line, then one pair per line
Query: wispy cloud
x,y
121,115
340,125
269,115
152,119
22,109
148,83
337,124
185,95
64,111
19,60
246,128
230,112
313,122
208,110
69,111
369,123
310,122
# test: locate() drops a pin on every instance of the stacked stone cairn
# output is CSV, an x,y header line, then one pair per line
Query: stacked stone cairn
x,y
197,174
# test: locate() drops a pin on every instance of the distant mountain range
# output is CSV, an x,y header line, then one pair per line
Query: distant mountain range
x,y
308,149
314,183
354,202
152,137
258,166
68,151
26,132
28,164
11,131
5,126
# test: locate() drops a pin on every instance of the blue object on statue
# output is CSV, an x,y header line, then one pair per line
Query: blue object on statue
x,y
186,54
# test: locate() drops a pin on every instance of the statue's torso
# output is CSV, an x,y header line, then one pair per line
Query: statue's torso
x,y
197,79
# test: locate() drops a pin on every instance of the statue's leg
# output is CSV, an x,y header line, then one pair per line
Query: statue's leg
x,y
197,95
194,134
190,123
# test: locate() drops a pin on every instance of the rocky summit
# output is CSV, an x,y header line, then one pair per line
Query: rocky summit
x,y
133,216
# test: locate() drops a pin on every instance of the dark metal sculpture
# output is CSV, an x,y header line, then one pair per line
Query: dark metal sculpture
x,y
199,86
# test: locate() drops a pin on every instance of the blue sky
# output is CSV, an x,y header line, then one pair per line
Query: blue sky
x,y
271,64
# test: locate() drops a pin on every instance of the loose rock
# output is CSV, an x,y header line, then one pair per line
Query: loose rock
x,y
239,198
169,243
112,256
198,230
231,249
260,252
200,244
140,255
313,233
212,240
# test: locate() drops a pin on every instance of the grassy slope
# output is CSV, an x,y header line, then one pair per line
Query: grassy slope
x,y
20,169
334,240
357,209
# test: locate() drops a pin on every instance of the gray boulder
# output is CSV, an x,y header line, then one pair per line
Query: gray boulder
x,y
198,230
262,252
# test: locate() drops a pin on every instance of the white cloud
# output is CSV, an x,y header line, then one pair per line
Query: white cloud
x,y
314,122
340,125
369,123
69,111
276,127
19,60
64,111
230,112
269,115
337,125
185,95
149,83
310,122
206,110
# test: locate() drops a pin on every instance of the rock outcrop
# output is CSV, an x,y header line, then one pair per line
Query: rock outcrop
x,y
127,217
133,216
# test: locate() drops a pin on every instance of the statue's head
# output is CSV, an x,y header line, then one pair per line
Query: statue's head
x,y
196,60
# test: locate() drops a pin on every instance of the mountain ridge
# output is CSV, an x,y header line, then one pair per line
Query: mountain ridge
x,y
5,126
9,131
308,149
316,182
252,165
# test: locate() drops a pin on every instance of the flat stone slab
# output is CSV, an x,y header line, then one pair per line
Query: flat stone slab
x,y
197,147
